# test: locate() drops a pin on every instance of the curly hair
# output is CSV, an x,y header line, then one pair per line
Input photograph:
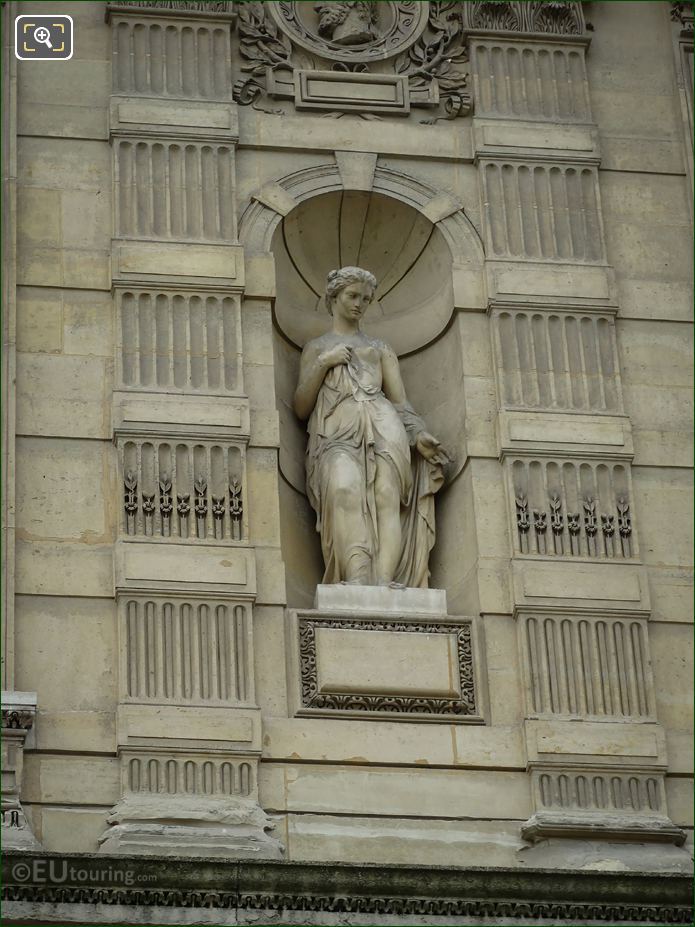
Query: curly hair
x,y
335,14
337,280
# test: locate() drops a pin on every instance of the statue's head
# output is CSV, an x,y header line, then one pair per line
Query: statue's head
x,y
347,22
337,280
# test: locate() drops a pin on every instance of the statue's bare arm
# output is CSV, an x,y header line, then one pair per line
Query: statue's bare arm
x,y
316,362
391,377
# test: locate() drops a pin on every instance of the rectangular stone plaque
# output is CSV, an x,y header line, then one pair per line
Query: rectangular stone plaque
x,y
413,668
365,93
382,663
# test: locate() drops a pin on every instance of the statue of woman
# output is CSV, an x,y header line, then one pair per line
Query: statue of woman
x,y
372,466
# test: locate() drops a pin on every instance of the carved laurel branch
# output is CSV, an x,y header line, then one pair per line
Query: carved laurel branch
x,y
312,698
436,59
263,47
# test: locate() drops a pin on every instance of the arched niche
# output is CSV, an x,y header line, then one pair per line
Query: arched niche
x,y
420,245
404,250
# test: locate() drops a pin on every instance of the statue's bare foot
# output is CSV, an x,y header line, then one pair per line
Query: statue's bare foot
x,y
392,585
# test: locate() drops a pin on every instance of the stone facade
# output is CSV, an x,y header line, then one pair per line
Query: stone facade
x,y
518,178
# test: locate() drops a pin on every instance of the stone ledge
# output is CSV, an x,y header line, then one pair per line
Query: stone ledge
x,y
591,825
423,894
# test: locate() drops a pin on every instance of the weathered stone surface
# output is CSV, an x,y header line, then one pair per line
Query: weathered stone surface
x,y
177,825
533,256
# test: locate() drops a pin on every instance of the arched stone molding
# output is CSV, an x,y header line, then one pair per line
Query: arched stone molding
x,y
358,171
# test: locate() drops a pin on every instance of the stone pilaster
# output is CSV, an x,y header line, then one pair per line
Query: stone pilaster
x,y
580,592
188,726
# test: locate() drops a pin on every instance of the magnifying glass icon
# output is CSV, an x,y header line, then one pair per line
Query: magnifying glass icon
x,y
42,35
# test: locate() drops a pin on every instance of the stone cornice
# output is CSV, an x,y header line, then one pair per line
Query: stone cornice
x,y
443,892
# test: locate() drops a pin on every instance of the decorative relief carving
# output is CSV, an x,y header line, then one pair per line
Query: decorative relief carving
x,y
178,341
589,667
172,59
355,31
546,912
549,360
494,14
189,775
311,697
202,6
18,719
547,212
574,498
434,63
185,651
554,17
161,471
349,71
174,190
348,23
683,13
558,17
530,81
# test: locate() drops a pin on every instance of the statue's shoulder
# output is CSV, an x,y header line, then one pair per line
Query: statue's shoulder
x,y
382,346
318,344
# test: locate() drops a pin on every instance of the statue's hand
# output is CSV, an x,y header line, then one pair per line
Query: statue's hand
x,y
431,449
340,354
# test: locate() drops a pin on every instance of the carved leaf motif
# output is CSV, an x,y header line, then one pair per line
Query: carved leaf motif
x,y
402,63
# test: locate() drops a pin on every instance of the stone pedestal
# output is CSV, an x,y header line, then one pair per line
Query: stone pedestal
x,y
346,597
377,652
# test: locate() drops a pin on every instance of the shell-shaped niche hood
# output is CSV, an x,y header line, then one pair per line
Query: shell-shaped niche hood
x,y
404,250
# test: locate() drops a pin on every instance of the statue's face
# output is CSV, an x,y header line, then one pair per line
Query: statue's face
x,y
352,301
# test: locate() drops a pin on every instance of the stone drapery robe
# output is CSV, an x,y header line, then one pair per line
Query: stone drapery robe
x,y
352,416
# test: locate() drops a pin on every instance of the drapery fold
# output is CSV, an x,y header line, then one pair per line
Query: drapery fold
x,y
352,417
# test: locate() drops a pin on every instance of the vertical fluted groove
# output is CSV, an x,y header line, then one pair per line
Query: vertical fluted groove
x,y
557,361
555,218
531,82
177,774
587,668
185,651
600,791
178,341
173,190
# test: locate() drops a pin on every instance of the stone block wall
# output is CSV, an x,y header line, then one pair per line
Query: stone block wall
x,y
174,224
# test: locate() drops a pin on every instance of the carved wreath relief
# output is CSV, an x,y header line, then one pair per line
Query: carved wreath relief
x,y
360,56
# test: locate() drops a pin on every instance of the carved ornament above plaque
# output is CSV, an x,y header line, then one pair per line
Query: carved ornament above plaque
x,y
361,57
353,31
